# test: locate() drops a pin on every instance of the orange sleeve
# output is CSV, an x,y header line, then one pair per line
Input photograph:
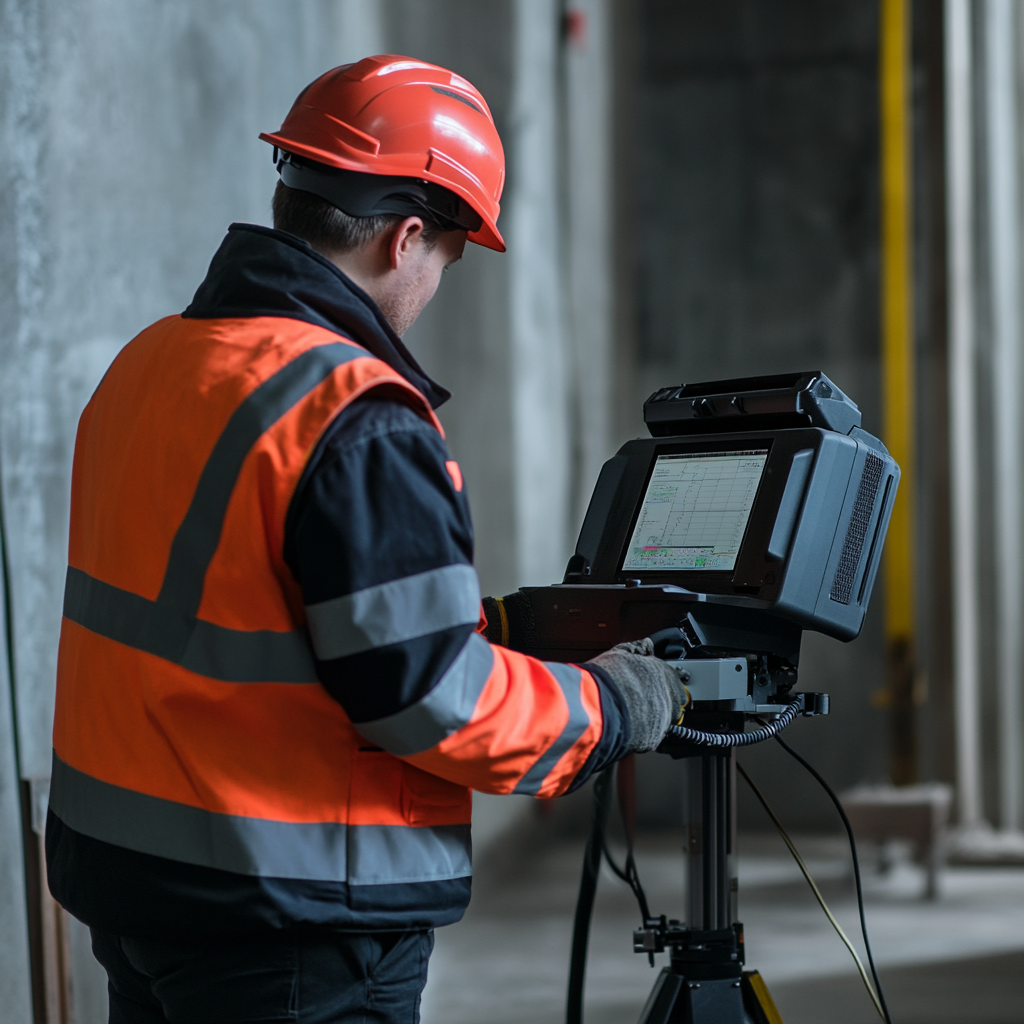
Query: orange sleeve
x,y
533,727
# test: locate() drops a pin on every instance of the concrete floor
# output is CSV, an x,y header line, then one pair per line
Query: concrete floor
x,y
986,990
959,959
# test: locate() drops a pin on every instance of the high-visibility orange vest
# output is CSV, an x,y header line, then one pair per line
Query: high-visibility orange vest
x,y
190,723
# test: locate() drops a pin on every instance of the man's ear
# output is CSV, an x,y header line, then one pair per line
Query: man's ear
x,y
405,239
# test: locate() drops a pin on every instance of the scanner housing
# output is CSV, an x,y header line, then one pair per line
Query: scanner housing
x,y
811,541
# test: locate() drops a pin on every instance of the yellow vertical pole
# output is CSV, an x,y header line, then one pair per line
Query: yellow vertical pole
x,y
898,379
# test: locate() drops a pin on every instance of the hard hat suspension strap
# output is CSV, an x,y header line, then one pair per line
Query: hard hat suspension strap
x,y
368,195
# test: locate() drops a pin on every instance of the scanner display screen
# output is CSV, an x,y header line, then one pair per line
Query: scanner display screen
x,y
695,511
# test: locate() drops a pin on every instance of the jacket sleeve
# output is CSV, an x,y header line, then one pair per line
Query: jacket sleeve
x,y
380,540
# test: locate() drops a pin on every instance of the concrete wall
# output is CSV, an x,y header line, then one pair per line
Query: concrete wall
x,y
128,143
130,147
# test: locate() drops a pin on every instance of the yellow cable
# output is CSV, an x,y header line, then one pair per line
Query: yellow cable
x,y
817,893
503,615
682,710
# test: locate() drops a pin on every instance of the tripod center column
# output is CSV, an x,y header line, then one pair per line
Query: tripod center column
x,y
710,816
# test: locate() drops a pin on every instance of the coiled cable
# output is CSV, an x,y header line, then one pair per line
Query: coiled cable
x,y
700,738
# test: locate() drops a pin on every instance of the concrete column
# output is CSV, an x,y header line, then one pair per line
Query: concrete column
x,y
588,216
1004,265
537,332
495,333
962,423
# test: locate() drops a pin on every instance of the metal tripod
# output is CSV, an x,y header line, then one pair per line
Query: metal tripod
x,y
705,982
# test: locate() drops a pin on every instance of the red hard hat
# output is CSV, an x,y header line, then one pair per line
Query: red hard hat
x,y
401,117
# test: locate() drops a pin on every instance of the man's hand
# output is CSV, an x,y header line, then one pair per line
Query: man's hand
x,y
653,692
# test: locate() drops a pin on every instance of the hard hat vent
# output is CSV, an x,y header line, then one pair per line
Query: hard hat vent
x,y
456,96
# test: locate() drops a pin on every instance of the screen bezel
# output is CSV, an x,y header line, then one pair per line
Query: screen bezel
x,y
663,572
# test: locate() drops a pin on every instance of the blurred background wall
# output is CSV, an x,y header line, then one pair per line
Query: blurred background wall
x,y
692,193
749,206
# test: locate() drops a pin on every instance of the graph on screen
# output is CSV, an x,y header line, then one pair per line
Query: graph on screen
x,y
695,511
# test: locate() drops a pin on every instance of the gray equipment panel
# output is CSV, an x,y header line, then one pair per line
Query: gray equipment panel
x,y
714,679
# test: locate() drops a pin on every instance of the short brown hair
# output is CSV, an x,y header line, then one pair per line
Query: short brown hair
x,y
329,229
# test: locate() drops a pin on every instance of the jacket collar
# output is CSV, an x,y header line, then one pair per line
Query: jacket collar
x,y
258,271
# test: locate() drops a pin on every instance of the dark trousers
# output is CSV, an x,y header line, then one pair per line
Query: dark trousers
x,y
308,977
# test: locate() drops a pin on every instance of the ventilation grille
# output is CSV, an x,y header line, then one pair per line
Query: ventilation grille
x,y
842,585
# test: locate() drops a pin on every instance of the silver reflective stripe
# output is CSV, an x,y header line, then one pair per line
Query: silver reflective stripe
x,y
570,679
390,854
447,708
321,851
230,655
395,611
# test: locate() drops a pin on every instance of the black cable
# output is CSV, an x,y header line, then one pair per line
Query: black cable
x,y
620,872
585,899
22,791
8,628
856,869
631,877
735,739
638,889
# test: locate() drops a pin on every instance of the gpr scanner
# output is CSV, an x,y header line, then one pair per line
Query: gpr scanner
x,y
757,509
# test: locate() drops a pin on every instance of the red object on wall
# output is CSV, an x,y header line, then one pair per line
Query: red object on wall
x,y
576,27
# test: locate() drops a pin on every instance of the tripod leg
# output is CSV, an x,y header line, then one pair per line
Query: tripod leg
x,y
758,1000
662,1006
674,1000
715,1002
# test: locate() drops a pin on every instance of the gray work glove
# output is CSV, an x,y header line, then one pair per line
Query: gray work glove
x,y
653,692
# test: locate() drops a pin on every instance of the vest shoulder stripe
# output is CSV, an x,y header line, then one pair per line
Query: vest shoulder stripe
x,y
393,612
445,709
198,535
319,851
230,655
570,679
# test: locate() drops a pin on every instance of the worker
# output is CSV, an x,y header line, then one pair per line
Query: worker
x,y
274,696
